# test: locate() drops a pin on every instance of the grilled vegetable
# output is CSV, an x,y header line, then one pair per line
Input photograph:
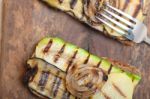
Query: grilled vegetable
x,y
84,81
85,11
46,80
57,70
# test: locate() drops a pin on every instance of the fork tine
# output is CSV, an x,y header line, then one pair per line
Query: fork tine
x,y
111,26
120,18
115,22
121,12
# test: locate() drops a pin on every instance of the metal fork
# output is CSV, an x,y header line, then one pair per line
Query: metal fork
x,y
123,24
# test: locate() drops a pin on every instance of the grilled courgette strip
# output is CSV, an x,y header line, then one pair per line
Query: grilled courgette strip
x,y
85,12
62,55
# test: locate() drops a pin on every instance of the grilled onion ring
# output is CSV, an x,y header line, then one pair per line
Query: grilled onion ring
x,y
84,81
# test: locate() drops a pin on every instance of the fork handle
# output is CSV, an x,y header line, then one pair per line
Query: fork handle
x,y
147,40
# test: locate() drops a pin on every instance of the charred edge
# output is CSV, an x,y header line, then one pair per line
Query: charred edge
x,y
39,94
126,5
99,63
110,68
30,74
138,7
87,59
66,95
60,1
58,82
72,59
43,79
59,53
73,3
119,91
48,46
105,77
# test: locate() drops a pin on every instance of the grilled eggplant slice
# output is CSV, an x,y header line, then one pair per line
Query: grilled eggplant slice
x,y
85,11
54,60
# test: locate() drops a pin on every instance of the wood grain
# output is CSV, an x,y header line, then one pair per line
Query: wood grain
x,y
0,23
27,21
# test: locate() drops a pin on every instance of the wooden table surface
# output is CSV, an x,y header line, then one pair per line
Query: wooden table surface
x,y
25,22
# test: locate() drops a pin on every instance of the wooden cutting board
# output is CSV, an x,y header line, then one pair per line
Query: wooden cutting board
x,y
25,22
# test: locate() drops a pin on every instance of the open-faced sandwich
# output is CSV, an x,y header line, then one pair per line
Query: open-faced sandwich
x,y
86,10
60,70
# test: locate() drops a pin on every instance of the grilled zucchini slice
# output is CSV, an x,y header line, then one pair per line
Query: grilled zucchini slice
x,y
85,10
53,57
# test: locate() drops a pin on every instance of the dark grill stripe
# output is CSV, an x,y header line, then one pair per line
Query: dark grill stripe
x,y
60,1
43,79
56,88
99,63
110,68
126,5
118,90
72,59
73,3
66,95
53,84
57,56
105,95
136,11
87,59
48,46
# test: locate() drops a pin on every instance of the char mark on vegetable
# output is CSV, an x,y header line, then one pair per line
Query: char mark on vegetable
x,y
60,1
58,55
99,63
66,95
126,5
56,86
119,90
72,59
136,11
73,3
87,59
110,68
48,46
43,79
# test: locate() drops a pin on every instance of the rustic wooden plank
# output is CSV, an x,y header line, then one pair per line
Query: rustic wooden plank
x,y
27,21
0,37
0,23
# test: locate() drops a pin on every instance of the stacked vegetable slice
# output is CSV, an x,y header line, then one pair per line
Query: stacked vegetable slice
x,y
53,57
86,10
